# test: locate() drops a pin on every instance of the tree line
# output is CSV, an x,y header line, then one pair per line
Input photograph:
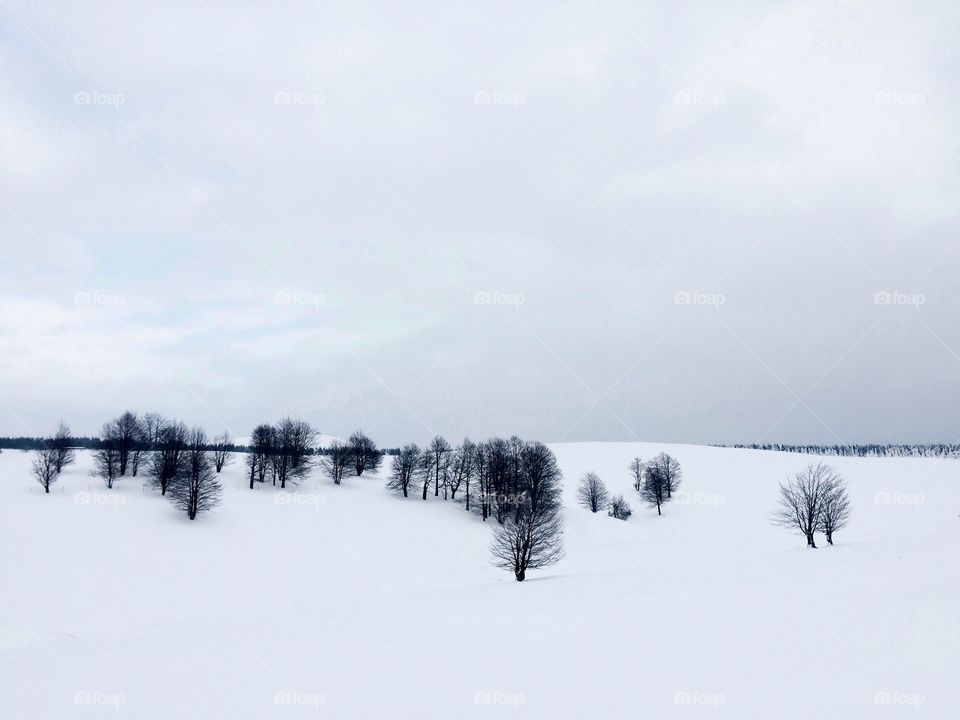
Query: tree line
x,y
948,450
514,483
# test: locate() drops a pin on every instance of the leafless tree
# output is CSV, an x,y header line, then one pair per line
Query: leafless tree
x,y
197,489
222,451
61,444
619,508
835,510
106,459
654,490
636,471
437,455
258,459
403,474
592,493
802,501
291,450
302,437
336,460
166,461
532,536
141,445
363,452
668,470
151,425
461,468
126,433
45,467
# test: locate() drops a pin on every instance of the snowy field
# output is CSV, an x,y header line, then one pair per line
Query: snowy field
x,y
350,602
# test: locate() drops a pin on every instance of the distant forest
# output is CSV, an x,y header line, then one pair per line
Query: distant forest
x,y
94,443
944,450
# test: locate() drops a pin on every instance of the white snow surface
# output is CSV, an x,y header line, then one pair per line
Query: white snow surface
x,y
351,602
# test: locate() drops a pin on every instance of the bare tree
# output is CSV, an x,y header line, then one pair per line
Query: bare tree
x,y
222,451
654,490
437,455
802,501
126,432
45,467
592,493
835,509
141,445
461,467
106,459
197,489
619,508
668,469
636,471
166,461
62,445
258,459
405,467
336,460
532,536
363,452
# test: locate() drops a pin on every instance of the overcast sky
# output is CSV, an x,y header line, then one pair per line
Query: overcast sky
x,y
697,222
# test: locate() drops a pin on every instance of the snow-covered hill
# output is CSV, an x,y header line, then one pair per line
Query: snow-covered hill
x,y
349,602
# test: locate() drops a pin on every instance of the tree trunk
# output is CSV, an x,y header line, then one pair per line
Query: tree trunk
x,y
811,542
830,537
521,574
47,488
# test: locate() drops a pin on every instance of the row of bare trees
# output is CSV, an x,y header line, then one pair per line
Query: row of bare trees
x,y
655,480
515,482
814,500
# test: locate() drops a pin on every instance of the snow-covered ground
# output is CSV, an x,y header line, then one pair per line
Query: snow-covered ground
x,y
349,602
